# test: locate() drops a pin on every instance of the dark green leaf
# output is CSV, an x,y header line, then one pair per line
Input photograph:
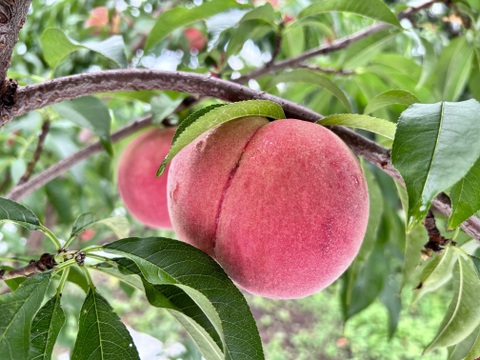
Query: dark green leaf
x,y
165,261
76,276
374,9
365,122
57,45
17,311
45,328
465,196
435,146
390,297
463,314
312,77
88,112
180,16
208,118
101,334
390,97
17,213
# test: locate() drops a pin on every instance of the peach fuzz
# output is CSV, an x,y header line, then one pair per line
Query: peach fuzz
x,y
282,206
143,194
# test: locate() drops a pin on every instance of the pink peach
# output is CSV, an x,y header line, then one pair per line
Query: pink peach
x,y
282,206
143,194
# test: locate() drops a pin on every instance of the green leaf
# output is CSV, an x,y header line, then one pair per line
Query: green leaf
x,y
119,224
88,112
435,146
165,261
390,97
463,315
180,16
206,119
17,310
184,309
76,276
453,69
465,197
253,29
415,240
373,9
312,77
436,274
469,345
101,334
17,213
376,125
57,45
45,328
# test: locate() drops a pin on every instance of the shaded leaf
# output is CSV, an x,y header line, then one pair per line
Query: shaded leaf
x,y
88,112
415,240
181,16
45,328
463,315
101,334
17,310
312,77
465,197
57,45
365,122
374,9
165,261
208,118
17,213
435,145
390,97
119,224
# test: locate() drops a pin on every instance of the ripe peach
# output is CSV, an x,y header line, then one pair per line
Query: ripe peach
x,y
282,206
143,194
195,38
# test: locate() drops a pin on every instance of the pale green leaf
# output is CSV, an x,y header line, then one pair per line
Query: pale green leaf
x,y
181,16
365,122
373,9
312,77
88,112
390,97
208,118
463,315
435,146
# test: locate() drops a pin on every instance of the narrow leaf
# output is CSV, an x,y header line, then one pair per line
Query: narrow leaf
x,y
57,45
45,328
465,196
17,310
312,77
365,122
435,146
390,97
165,261
373,9
211,117
119,224
101,334
181,16
463,315
82,222
88,112
17,213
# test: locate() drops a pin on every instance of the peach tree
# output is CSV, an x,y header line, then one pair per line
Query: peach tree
x,y
396,81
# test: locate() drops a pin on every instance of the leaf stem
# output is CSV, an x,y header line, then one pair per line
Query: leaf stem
x,y
51,236
62,282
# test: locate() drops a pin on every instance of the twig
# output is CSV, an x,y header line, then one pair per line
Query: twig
x,y
436,241
327,70
22,190
46,262
37,153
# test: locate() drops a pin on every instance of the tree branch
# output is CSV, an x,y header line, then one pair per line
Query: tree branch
x,y
13,14
46,262
38,151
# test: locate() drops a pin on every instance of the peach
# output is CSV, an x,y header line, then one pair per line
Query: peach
x,y
282,206
143,194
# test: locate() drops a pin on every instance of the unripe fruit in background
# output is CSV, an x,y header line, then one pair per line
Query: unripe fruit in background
x,y
143,194
282,206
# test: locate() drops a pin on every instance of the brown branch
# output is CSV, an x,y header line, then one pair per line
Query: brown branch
x,y
436,241
13,14
46,262
37,153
